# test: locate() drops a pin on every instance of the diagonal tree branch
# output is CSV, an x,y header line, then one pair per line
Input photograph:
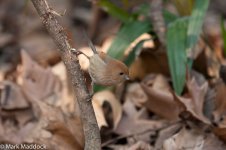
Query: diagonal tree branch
x,y
56,31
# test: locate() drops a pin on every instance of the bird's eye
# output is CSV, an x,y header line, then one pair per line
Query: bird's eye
x,y
121,73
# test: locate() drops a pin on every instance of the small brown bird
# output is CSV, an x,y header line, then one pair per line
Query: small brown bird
x,y
105,70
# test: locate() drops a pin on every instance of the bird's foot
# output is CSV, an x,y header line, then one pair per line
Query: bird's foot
x,y
90,97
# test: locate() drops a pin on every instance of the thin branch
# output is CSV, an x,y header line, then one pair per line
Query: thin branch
x,y
56,31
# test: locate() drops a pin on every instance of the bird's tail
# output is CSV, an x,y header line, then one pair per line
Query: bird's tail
x,y
90,42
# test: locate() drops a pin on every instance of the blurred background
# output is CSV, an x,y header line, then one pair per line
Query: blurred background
x,y
175,50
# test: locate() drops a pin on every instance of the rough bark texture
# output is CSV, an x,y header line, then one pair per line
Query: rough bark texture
x,y
90,127
158,20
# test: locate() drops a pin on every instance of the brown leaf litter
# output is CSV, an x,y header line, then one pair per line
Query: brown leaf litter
x,y
35,115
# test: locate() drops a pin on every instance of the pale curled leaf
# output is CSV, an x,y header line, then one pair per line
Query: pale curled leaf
x,y
83,60
99,113
107,96
127,34
145,39
136,47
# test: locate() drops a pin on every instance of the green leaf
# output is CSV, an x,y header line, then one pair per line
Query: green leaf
x,y
127,34
143,9
97,88
176,42
135,52
169,17
195,24
223,33
115,11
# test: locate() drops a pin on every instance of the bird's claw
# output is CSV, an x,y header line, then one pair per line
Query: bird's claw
x,y
76,52
90,98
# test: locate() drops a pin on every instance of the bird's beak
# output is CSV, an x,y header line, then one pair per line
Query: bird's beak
x,y
127,77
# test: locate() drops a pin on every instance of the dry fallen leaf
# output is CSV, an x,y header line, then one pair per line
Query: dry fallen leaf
x,y
140,145
167,133
160,100
213,143
148,62
213,65
48,125
220,132
40,47
134,122
219,114
53,127
14,104
185,139
40,86
99,99
194,103
12,97
99,113
136,94
40,83
147,44
220,103
65,129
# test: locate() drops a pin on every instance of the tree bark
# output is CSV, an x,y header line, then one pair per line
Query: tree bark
x,y
56,31
158,20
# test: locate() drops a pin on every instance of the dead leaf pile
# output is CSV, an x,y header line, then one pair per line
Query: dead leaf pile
x,y
177,122
32,112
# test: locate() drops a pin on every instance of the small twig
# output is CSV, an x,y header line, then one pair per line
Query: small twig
x,y
56,31
138,133
58,14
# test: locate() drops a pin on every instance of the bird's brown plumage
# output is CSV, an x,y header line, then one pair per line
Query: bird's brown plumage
x,y
107,71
